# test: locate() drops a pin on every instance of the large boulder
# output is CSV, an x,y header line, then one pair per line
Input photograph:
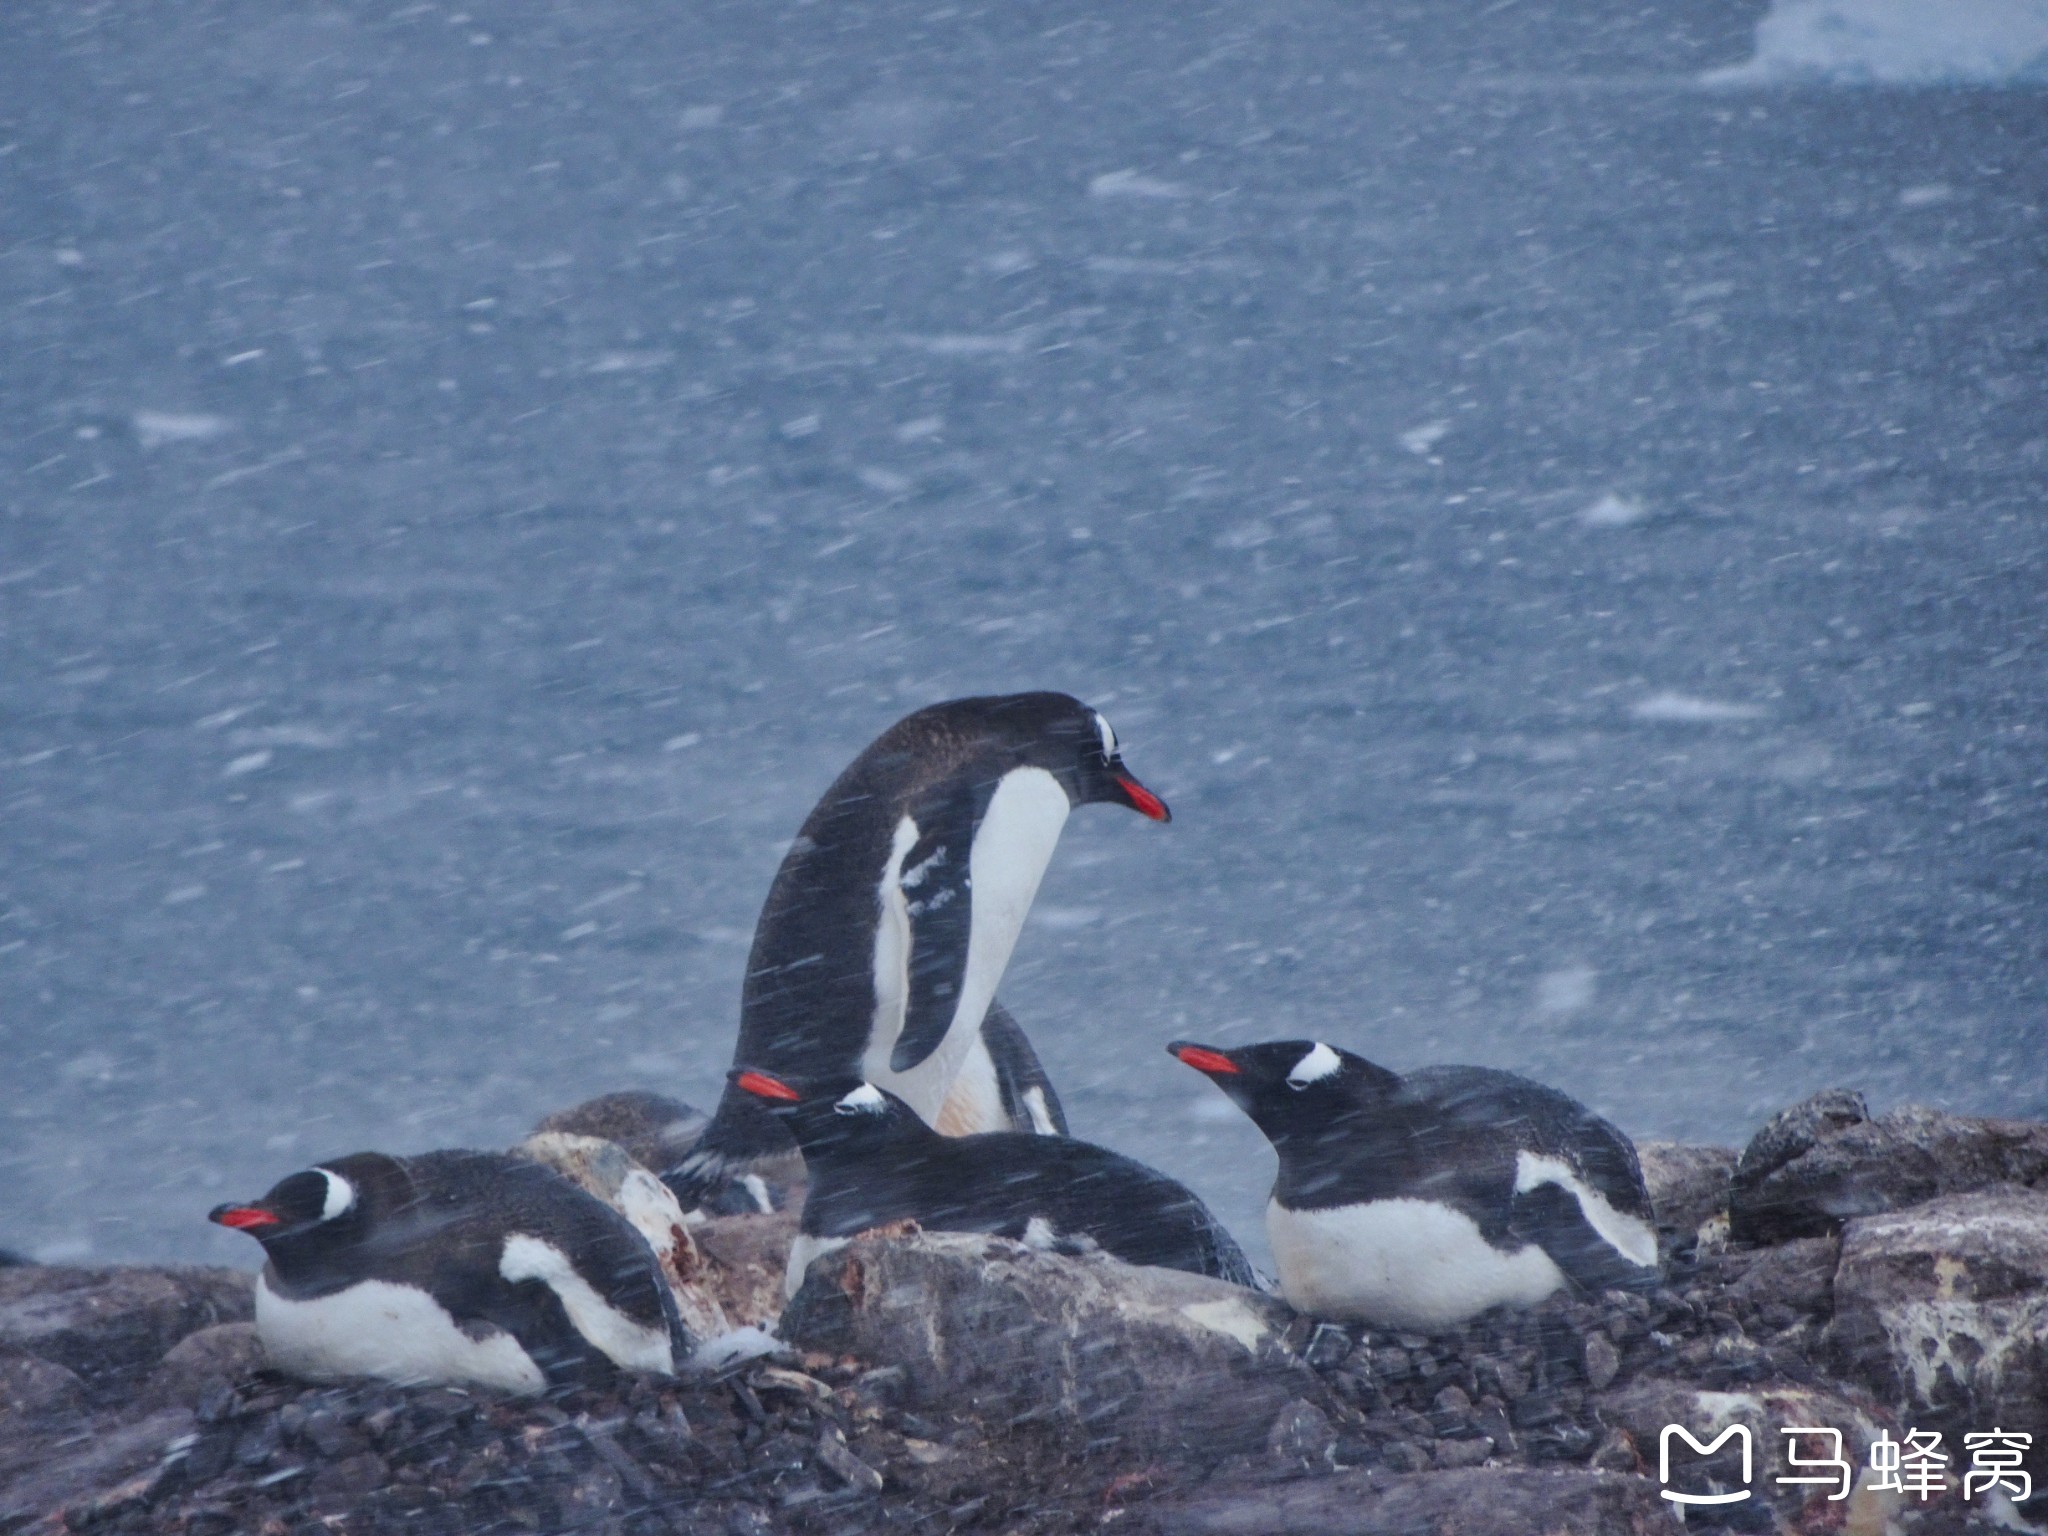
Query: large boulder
x,y
1826,1160
1479,1501
112,1325
1944,1308
1107,1354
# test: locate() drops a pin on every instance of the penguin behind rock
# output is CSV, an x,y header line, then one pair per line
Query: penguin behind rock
x,y
655,1130
1419,1201
872,1162
895,911
465,1268
659,1132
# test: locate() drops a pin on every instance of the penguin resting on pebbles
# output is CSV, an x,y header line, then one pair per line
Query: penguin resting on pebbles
x,y
873,1162
463,1268
893,916
1419,1201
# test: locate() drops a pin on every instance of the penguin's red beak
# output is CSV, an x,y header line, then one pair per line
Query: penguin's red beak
x,y
762,1086
1202,1059
244,1218
1141,799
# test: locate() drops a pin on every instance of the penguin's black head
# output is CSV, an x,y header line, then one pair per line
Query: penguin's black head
x,y
317,1199
1101,775
1293,1087
835,1115
1053,731
327,1203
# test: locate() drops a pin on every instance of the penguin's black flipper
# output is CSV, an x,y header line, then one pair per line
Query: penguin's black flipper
x,y
1029,1100
584,1273
1557,1221
938,898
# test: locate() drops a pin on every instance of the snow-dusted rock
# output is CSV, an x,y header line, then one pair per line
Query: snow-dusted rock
x,y
107,1470
1688,1184
748,1255
1826,1160
202,1363
1944,1309
1111,1353
1799,1274
115,1323
31,1386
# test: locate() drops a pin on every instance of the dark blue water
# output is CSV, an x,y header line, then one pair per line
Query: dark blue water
x,y
1568,543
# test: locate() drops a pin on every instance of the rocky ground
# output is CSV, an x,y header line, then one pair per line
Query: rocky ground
x,y
1891,1274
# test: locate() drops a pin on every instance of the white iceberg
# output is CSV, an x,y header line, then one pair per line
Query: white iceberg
x,y
1897,42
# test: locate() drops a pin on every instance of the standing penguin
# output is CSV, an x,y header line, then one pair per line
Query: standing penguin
x,y
872,1161
1420,1201
894,914
469,1268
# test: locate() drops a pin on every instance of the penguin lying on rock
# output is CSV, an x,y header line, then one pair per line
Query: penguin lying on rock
x,y
893,917
873,1162
1420,1201
465,1268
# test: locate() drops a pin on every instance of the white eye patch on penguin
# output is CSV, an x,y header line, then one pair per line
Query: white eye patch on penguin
x,y
341,1195
1314,1067
1102,729
864,1100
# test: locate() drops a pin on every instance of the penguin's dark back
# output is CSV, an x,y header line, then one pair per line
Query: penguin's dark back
x,y
1135,1212
998,1182
1536,1117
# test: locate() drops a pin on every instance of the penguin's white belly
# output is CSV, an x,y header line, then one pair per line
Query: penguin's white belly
x,y
393,1332
1012,846
1400,1264
974,1099
804,1252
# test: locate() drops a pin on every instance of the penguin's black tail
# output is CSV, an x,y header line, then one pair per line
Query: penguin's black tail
x,y
734,1165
